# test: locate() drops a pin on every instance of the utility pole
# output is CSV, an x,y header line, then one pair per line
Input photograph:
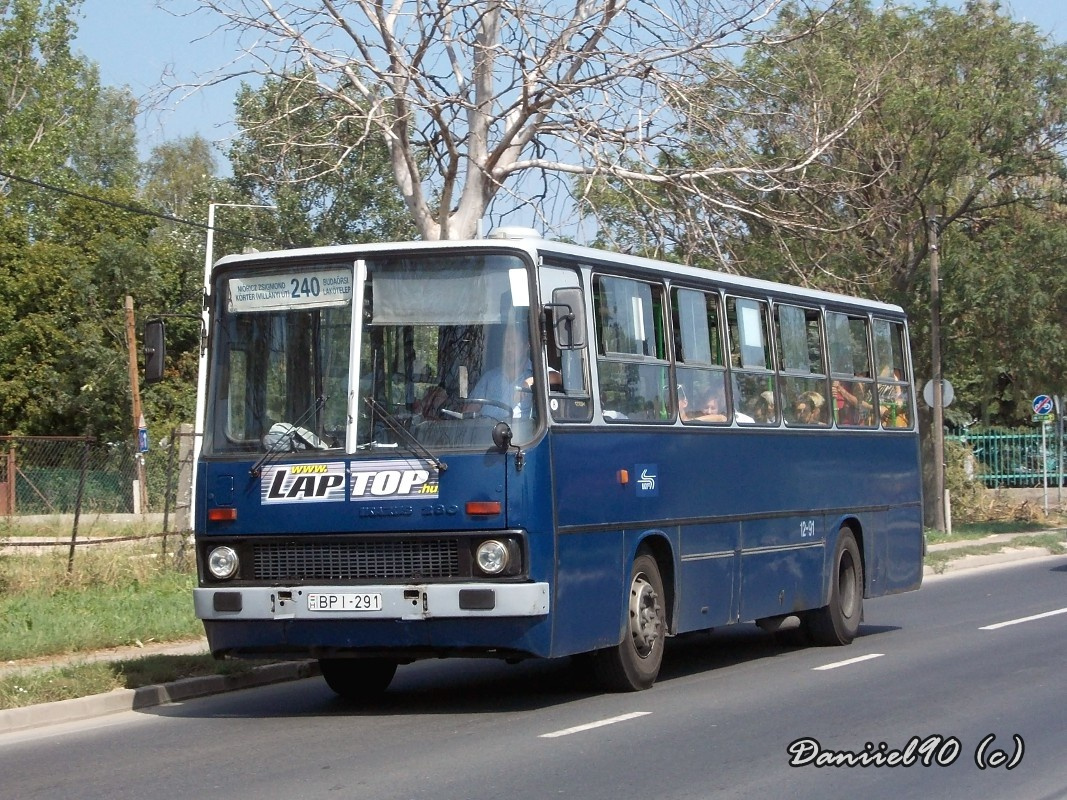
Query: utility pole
x,y
139,427
937,425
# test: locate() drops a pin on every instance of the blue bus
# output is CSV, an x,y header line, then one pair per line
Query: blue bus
x,y
517,448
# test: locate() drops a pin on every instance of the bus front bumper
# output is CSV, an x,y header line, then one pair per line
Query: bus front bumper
x,y
410,602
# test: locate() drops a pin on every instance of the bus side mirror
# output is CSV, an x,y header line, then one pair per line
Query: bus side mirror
x,y
569,317
155,350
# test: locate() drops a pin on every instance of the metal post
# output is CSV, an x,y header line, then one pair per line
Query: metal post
x,y
78,503
205,321
938,424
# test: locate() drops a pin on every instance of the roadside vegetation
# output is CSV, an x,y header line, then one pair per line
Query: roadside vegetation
x,y
128,595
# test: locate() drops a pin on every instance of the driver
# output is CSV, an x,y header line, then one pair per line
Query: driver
x,y
508,386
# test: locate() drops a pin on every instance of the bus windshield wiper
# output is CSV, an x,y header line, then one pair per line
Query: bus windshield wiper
x,y
284,441
412,445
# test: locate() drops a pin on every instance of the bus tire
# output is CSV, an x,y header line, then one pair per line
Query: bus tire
x,y
358,678
838,622
634,663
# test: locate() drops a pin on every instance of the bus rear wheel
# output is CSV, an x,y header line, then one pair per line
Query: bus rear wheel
x,y
634,663
838,622
358,679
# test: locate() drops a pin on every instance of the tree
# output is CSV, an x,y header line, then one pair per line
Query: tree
x,y
336,192
509,101
46,92
106,153
968,128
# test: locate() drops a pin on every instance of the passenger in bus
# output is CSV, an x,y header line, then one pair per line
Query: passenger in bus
x,y
852,405
808,409
712,409
764,411
892,401
429,405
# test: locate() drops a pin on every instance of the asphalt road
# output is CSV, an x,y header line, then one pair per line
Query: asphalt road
x,y
962,709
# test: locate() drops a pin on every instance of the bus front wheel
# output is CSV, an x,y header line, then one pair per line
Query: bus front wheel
x,y
838,622
357,678
634,663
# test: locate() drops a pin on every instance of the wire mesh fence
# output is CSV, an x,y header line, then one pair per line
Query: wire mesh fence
x,y
60,475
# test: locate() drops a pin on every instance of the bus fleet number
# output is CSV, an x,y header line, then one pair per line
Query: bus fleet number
x,y
807,529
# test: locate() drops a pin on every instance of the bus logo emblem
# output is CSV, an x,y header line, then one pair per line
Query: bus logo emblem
x,y
646,482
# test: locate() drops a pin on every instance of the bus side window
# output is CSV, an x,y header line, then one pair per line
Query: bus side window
x,y
802,365
753,384
894,394
568,369
700,369
632,366
852,384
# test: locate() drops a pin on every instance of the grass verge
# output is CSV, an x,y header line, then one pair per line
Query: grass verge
x,y
114,596
73,680
1054,543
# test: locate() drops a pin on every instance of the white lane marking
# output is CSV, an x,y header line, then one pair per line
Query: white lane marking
x,y
1021,620
591,725
849,662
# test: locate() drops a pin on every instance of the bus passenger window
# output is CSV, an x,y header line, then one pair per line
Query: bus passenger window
x,y
798,332
634,374
852,384
894,394
753,385
699,357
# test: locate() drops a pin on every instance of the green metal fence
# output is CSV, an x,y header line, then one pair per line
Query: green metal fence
x,y
1015,457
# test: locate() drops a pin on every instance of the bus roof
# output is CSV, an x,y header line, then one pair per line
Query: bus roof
x,y
534,245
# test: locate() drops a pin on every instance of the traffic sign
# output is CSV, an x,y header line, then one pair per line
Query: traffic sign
x,y
1043,405
948,394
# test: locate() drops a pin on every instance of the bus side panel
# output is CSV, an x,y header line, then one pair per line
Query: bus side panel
x,y
589,587
781,565
709,575
905,550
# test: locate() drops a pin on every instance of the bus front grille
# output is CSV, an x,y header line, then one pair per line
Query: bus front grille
x,y
396,560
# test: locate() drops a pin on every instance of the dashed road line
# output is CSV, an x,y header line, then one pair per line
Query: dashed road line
x,y
849,662
600,723
997,626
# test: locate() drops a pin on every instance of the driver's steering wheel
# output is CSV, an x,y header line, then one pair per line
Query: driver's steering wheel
x,y
484,401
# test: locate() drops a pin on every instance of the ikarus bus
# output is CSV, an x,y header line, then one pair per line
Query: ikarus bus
x,y
515,448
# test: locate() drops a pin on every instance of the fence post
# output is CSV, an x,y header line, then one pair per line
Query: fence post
x,y
78,504
169,486
8,506
183,502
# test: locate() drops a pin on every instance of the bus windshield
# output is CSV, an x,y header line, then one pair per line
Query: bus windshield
x,y
444,354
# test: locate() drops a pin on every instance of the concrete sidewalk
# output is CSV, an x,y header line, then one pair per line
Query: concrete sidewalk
x,y
17,719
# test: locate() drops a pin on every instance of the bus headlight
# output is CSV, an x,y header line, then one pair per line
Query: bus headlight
x,y
222,563
492,557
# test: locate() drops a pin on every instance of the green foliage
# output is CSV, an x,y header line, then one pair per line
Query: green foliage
x,y
967,125
333,187
46,92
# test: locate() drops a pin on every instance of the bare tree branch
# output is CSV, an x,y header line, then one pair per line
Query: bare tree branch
x,y
472,97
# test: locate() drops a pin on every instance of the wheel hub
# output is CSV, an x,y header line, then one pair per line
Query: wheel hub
x,y
646,616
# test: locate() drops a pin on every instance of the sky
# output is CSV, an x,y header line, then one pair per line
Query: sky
x,y
135,43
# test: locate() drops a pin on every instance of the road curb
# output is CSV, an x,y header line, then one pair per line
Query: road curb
x,y
119,700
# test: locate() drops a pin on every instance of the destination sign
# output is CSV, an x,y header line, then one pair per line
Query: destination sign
x,y
290,290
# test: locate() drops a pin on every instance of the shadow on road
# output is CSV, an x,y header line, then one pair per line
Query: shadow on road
x,y
480,686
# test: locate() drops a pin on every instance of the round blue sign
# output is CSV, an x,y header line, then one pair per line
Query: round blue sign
x,y
1043,404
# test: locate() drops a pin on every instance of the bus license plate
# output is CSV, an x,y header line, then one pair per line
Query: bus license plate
x,y
369,601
